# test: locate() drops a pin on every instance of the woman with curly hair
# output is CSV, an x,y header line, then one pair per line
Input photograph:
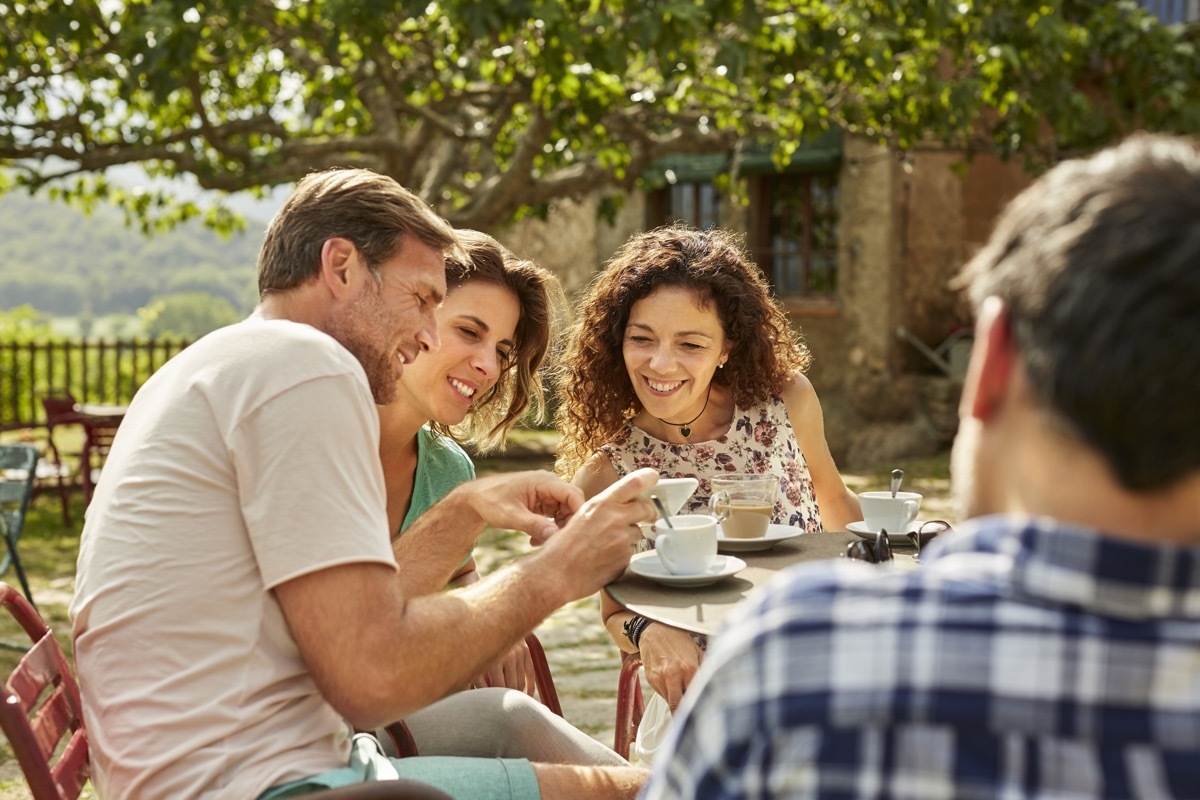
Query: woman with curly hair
x,y
681,360
494,330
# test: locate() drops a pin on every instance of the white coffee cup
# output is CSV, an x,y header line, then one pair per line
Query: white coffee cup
x,y
882,511
690,547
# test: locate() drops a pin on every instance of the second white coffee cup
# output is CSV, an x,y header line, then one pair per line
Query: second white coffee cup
x,y
882,511
690,547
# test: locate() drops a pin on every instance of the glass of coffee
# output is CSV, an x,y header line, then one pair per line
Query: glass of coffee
x,y
744,503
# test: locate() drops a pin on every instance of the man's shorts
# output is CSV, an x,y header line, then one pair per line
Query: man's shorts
x,y
461,778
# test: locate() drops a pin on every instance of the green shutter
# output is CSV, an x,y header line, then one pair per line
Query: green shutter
x,y
822,153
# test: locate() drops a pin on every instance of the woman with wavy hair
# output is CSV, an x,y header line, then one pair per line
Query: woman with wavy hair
x,y
681,360
495,332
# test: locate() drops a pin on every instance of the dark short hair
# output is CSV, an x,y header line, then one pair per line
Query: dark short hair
x,y
368,209
1098,263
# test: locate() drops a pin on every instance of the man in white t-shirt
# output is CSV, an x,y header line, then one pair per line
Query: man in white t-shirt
x,y
237,597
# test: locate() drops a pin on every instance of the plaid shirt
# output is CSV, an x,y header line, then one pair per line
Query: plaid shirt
x,y
1024,659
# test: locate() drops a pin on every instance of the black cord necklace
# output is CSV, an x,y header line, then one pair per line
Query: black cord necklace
x,y
685,428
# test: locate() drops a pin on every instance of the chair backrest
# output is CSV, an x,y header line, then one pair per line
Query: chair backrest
x,y
98,436
18,469
59,404
40,710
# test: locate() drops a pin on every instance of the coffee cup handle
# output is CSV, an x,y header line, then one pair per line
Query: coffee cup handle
x,y
911,508
716,499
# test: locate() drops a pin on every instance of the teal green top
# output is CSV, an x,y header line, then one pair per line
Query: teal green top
x,y
441,465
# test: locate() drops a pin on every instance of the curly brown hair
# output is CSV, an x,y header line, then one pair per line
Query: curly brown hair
x,y
542,304
596,394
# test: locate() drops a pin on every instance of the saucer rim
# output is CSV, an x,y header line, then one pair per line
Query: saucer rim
x,y
734,565
739,544
894,538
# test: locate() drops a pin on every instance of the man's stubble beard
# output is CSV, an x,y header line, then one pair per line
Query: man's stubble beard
x,y
354,331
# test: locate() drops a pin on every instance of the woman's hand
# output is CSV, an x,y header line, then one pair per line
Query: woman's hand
x,y
514,670
670,657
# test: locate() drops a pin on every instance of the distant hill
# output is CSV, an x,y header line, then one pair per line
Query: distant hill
x,y
65,262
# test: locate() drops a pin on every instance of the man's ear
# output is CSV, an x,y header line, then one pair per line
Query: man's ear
x,y
338,257
993,359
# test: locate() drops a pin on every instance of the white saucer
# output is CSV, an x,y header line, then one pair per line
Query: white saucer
x,y
774,535
649,566
860,528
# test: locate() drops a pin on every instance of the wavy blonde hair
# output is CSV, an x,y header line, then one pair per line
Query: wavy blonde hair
x,y
542,314
595,391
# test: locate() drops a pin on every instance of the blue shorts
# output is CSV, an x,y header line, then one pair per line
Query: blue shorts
x,y
461,778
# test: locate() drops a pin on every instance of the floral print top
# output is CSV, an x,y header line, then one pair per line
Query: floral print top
x,y
759,440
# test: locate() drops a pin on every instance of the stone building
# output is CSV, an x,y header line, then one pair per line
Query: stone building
x,y
860,243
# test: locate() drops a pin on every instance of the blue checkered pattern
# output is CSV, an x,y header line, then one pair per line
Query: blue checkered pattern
x,y
1023,660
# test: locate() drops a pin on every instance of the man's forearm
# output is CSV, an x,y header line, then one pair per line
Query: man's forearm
x,y
457,636
432,548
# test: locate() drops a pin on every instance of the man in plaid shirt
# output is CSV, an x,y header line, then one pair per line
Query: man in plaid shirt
x,y
1050,647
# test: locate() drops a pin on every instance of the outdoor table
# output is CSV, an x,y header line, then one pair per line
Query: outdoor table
x,y
100,423
101,411
701,609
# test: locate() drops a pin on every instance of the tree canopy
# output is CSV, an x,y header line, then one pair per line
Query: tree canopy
x,y
488,110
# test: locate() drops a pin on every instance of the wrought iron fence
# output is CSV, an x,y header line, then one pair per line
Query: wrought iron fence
x,y
107,372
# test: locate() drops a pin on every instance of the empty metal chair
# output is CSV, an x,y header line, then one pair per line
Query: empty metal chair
x,y
60,408
18,469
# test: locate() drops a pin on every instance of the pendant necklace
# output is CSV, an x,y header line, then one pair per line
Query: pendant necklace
x,y
685,428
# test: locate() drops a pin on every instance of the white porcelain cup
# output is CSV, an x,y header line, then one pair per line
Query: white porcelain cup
x,y
881,511
690,547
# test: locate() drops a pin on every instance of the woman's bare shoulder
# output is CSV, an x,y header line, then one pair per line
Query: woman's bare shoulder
x,y
798,389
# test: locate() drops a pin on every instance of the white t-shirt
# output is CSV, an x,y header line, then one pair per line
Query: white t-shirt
x,y
249,459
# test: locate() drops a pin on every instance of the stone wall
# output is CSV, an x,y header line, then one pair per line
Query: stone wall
x,y
572,242
907,226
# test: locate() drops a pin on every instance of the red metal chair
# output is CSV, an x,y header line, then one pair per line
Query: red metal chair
x,y
402,739
541,674
630,704
98,433
40,710
60,407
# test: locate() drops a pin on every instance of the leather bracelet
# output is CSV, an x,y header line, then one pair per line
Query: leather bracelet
x,y
633,627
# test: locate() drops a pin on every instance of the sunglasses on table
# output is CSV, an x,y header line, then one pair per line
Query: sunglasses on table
x,y
881,550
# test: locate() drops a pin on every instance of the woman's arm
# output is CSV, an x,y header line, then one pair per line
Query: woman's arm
x,y
596,475
669,655
839,506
